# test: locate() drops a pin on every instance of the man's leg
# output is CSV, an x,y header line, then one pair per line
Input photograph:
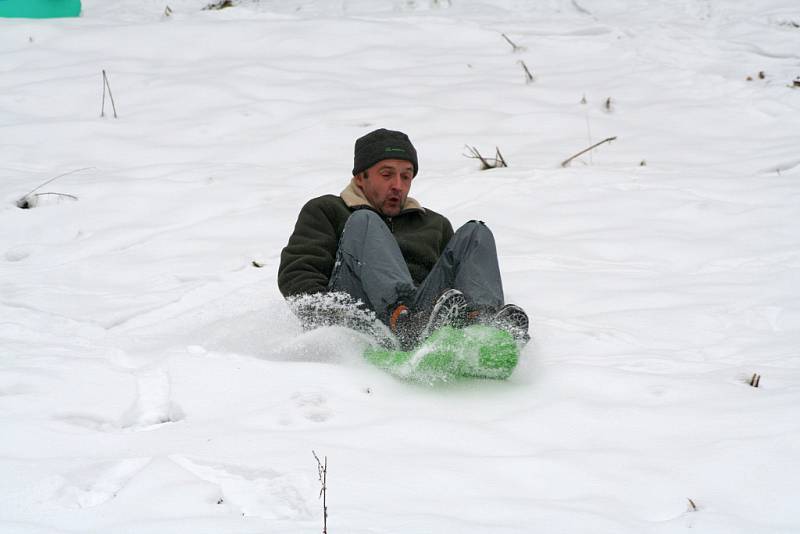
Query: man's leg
x,y
369,265
469,264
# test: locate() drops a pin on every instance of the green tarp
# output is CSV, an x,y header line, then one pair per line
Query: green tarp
x,y
39,9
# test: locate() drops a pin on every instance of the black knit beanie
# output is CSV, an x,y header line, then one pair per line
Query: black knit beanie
x,y
383,144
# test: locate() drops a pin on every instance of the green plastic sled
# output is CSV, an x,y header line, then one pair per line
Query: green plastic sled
x,y
448,354
39,9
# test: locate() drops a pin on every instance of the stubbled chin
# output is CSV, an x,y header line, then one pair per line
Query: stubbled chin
x,y
391,209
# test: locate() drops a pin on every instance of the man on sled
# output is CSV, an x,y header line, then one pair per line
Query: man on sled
x,y
375,247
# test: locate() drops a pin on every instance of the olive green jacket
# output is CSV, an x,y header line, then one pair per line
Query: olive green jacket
x,y
307,260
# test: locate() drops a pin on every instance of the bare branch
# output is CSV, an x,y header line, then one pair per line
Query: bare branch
x,y
580,8
514,47
486,163
113,105
73,197
528,75
54,178
584,151
322,469
755,380
499,158
477,155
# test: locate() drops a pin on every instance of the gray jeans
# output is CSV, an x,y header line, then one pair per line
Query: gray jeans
x,y
370,267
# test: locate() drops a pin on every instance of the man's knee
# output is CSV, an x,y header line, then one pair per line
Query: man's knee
x,y
362,217
471,229
359,226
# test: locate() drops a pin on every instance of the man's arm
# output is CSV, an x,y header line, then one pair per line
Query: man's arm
x,y
307,260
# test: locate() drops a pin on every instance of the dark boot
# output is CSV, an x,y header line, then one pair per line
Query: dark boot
x,y
411,328
512,319
450,310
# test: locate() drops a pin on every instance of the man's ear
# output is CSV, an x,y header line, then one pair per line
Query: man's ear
x,y
360,177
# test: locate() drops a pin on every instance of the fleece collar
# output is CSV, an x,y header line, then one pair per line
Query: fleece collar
x,y
354,197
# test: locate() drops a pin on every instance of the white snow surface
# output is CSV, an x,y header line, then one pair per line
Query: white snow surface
x,y
152,379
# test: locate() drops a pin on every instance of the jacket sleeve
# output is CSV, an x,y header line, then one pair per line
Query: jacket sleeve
x,y
307,260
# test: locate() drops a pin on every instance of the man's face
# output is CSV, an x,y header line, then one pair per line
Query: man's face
x,y
387,184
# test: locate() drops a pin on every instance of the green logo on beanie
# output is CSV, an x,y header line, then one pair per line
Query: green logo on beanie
x,y
390,149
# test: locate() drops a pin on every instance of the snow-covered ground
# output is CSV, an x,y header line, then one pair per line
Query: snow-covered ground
x,y
153,381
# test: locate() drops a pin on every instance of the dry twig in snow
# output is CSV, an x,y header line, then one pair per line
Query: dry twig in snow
x,y
584,151
103,106
27,201
514,47
487,163
528,75
322,468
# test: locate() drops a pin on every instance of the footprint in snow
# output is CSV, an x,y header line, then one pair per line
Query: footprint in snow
x,y
254,491
95,484
153,406
18,253
311,405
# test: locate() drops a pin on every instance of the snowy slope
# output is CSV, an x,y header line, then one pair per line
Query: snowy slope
x,y
153,381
